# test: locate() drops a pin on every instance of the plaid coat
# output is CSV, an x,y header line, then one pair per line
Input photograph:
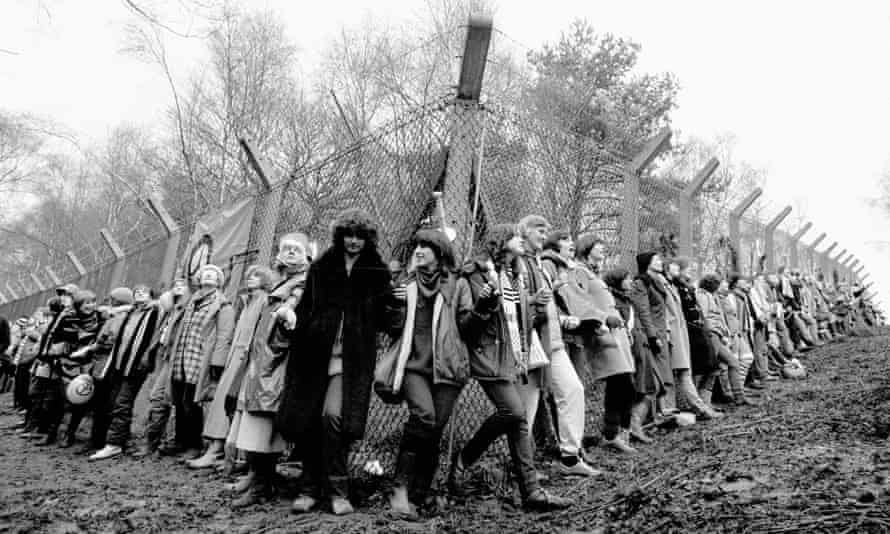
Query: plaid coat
x,y
202,341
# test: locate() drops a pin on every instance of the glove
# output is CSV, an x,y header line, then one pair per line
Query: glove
x,y
216,372
655,346
614,322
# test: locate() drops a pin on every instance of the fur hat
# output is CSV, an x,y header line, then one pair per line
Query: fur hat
x,y
121,295
440,245
615,277
644,260
354,220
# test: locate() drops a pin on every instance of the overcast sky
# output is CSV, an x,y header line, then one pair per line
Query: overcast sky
x,y
804,86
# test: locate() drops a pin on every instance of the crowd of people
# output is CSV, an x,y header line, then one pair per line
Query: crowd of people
x,y
288,367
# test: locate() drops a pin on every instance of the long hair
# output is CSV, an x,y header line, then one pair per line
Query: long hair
x,y
354,221
496,241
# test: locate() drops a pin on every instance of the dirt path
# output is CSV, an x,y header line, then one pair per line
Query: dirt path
x,y
813,459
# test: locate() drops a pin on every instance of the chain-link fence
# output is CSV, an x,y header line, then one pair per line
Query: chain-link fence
x,y
492,165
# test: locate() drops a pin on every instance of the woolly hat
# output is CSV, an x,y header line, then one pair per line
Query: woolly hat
x,y
121,295
438,242
644,260
67,289
615,277
585,243
220,276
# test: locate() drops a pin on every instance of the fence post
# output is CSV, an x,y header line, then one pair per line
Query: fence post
x,y
795,245
848,272
174,235
266,212
630,212
735,219
466,130
813,255
15,296
769,235
76,263
38,282
691,190
3,299
826,264
53,277
120,265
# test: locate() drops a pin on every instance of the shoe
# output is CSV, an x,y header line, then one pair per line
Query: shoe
x,y
143,451
242,485
541,501
341,506
108,451
46,441
256,494
35,436
619,444
742,400
637,433
400,506
204,462
756,384
580,469
304,504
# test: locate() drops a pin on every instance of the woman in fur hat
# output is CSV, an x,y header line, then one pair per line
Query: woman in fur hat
x,y
334,346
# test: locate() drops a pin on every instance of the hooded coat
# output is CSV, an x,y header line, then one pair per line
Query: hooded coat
x,y
702,357
360,302
649,296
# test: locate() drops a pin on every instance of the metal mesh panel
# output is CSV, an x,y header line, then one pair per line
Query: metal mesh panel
x,y
144,265
782,244
659,215
751,244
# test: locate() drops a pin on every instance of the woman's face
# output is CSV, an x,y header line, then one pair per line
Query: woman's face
x,y
536,237
353,243
425,258
597,253
253,282
66,300
656,264
180,287
514,245
627,283
88,306
673,270
292,253
567,248
724,287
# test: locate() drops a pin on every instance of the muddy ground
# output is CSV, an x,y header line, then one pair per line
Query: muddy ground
x,y
814,458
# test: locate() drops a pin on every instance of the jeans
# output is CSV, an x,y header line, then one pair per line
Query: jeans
x,y
124,390
430,406
159,408
618,403
509,419
189,415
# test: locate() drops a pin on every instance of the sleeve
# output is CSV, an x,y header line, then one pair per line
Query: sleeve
x,y
225,329
471,320
639,295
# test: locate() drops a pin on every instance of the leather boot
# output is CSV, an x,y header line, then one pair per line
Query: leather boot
x,y
638,414
406,471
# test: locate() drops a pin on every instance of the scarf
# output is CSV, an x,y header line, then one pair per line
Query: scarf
x,y
428,282
510,303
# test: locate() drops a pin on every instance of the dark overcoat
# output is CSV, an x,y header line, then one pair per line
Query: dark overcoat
x,y
361,300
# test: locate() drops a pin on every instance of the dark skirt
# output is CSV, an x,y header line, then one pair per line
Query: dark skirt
x,y
704,358
645,377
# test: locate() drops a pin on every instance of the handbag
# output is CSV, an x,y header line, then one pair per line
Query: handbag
x,y
385,373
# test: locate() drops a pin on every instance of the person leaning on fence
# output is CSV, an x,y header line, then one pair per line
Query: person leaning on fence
x,y
131,360
741,331
75,330
427,337
121,301
30,350
259,387
605,346
498,336
24,352
198,355
160,402
559,375
327,390
620,283
216,424
681,346
649,295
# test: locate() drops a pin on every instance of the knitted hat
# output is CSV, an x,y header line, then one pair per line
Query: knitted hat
x,y
67,289
121,295
644,260
440,245
220,276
